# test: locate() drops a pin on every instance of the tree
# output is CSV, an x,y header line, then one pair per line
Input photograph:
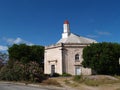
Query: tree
x,y
3,59
25,64
25,53
102,57
20,72
4,56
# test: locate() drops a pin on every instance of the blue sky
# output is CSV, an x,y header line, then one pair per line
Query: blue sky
x,y
41,21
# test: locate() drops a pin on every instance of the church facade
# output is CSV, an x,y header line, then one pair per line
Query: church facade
x,y
66,55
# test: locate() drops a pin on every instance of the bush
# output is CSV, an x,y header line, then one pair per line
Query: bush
x,y
78,78
5,73
95,80
55,75
103,58
1,64
66,75
51,82
22,72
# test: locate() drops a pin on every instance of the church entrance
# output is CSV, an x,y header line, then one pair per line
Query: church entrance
x,y
77,70
52,70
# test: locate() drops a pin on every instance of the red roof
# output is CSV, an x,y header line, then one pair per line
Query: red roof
x,y
66,22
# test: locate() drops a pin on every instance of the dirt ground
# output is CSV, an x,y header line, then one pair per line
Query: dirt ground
x,y
74,86
67,83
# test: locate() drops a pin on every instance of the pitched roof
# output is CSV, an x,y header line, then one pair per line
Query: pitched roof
x,y
73,38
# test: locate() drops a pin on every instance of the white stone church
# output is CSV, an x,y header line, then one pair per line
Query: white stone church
x,y
66,55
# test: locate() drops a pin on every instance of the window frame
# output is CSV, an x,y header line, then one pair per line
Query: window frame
x,y
77,57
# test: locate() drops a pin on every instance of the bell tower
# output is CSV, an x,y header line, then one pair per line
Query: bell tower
x,y
66,29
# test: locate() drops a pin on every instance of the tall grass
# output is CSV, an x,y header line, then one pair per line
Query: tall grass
x,y
94,81
51,82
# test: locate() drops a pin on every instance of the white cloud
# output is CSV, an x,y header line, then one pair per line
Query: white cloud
x,y
3,48
103,33
92,36
17,41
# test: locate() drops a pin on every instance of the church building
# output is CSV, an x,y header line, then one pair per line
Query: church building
x,y
66,55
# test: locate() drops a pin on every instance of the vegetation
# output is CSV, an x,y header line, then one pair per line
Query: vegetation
x,y
95,80
3,59
25,64
25,53
78,78
103,58
66,75
3,56
51,82
22,72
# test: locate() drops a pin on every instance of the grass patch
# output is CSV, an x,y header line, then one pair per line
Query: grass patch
x,y
78,78
67,82
66,75
118,77
51,82
95,80
117,89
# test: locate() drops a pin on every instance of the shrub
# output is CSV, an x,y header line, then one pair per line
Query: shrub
x,y
66,75
11,74
51,82
1,64
55,75
24,72
77,78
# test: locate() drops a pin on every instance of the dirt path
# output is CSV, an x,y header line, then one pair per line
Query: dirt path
x,y
74,86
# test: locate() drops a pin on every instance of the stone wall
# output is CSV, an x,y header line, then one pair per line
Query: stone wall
x,y
63,57
53,56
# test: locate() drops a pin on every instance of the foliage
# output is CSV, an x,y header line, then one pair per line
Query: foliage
x,y
102,57
55,75
25,64
66,75
78,78
95,80
52,82
25,53
3,56
3,59
1,64
22,72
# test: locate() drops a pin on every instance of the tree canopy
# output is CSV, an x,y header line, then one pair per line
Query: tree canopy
x,y
25,53
3,56
102,57
25,64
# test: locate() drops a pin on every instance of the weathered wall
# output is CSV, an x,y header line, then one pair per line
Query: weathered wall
x,y
69,53
63,57
53,56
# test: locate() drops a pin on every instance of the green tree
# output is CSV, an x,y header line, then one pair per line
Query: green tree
x,y
4,56
102,57
25,63
22,72
25,53
3,59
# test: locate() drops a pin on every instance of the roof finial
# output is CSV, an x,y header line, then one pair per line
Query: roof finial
x,y
66,29
66,22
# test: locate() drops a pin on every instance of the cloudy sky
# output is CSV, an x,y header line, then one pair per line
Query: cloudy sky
x,y
41,21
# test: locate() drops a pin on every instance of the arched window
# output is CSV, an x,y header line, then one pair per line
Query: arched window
x,y
77,57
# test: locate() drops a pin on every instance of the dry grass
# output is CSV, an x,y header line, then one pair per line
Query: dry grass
x,y
51,82
96,80
118,89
